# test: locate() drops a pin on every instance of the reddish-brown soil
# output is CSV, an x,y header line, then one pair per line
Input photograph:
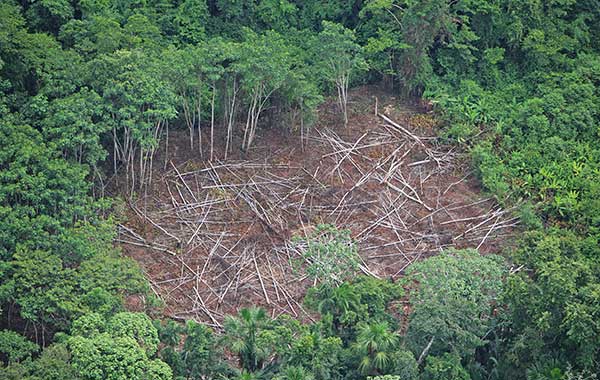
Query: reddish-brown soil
x,y
216,236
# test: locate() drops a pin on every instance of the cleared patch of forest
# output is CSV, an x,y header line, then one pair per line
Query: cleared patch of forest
x,y
215,236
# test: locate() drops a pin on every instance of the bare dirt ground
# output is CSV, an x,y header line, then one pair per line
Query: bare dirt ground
x,y
215,236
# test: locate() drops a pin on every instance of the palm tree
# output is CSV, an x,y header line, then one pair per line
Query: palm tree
x,y
241,336
295,373
337,301
376,344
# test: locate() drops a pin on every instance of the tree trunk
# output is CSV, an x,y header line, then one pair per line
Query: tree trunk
x,y
212,121
230,114
166,147
198,118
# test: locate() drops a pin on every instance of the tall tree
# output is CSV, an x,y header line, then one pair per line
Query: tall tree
x,y
453,303
265,66
375,345
339,57
140,104
244,337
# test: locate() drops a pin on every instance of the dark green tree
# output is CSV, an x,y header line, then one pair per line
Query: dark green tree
x,y
375,344
454,301
118,348
244,335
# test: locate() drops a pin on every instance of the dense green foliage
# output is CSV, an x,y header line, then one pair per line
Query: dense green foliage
x,y
452,308
526,104
89,90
